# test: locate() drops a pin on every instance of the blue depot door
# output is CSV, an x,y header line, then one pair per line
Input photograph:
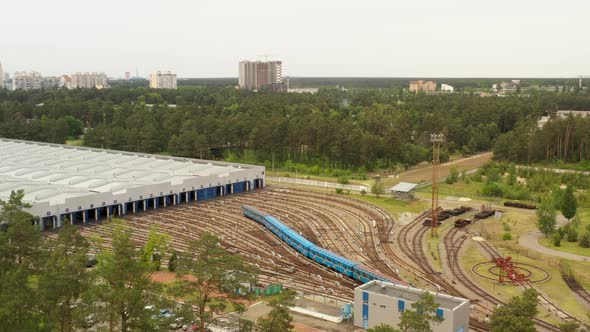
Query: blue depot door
x,y
207,193
239,187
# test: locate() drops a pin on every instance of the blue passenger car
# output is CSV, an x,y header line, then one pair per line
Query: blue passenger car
x,y
253,214
365,274
297,242
331,260
307,248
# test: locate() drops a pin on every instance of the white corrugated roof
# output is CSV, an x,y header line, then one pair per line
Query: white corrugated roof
x,y
52,172
404,187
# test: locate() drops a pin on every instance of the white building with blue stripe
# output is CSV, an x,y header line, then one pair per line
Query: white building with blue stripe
x,y
79,184
379,302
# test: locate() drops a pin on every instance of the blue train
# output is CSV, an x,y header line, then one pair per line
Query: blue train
x,y
323,256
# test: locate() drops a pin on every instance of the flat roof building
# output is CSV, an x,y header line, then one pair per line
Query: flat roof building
x,y
83,184
260,75
162,80
403,190
422,86
378,302
88,80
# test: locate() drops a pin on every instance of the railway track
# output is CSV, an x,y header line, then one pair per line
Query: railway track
x,y
573,284
183,224
334,223
545,302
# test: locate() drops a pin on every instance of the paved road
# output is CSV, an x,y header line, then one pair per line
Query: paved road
x,y
531,241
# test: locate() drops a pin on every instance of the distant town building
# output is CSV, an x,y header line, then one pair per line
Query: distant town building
x,y
2,79
378,302
89,80
446,88
65,81
26,80
422,86
162,80
262,75
507,87
127,75
49,82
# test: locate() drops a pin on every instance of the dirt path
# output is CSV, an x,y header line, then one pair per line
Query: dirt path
x,y
424,174
531,241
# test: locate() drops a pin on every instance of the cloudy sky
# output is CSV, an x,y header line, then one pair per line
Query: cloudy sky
x,y
207,38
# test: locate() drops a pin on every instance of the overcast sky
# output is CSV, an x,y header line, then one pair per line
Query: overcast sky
x,y
207,38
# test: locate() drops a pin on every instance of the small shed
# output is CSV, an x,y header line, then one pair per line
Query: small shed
x,y
403,190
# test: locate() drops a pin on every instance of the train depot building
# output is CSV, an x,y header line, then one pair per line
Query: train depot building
x,y
379,302
80,184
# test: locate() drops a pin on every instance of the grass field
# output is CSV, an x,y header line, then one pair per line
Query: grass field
x,y
75,142
432,243
394,206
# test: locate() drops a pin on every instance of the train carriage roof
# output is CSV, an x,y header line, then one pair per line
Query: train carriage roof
x,y
299,238
379,274
276,222
334,256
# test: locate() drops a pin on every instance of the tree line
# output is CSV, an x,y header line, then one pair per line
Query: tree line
x,y
369,128
560,139
46,284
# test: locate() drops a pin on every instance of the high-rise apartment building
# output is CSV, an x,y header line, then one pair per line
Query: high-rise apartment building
x,y
27,80
260,75
1,77
421,86
88,80
162,80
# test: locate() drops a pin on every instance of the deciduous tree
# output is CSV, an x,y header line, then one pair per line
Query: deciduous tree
x,y
516,315
422,315
279,319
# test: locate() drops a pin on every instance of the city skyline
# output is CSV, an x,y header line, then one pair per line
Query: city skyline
x,y
328,39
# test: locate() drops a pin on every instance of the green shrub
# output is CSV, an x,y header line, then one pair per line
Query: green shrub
x,y
560,232
492,189
507,236
339,191
172,262
585,240
343,180
572,235
556,239
506,227
363,192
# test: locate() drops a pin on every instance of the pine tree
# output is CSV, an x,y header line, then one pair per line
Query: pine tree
x,y
569,204
546,218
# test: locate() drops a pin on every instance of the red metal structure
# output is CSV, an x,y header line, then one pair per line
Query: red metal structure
x,y
506,265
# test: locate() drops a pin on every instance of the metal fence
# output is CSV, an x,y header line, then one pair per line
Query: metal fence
x,y
323,184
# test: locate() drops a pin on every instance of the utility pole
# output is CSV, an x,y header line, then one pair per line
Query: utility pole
x,y
436,140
